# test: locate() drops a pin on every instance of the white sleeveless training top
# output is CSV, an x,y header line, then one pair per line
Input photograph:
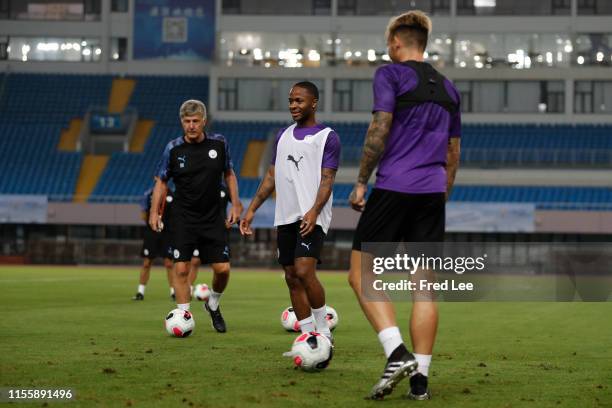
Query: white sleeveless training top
x,y
298,176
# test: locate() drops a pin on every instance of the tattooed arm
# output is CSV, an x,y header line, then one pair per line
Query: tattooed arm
x,y
372,151
452,163
265,189
309,221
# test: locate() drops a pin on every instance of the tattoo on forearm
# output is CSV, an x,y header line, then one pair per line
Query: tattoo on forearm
x,y
452,163
325,188
374,144
263,191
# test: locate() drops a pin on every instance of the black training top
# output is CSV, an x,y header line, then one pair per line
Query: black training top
x,y
196,169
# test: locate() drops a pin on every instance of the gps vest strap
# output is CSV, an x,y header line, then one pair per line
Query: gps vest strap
x,y
430,89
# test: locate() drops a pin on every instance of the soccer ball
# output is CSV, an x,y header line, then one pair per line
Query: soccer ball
x,y
311,352
179,323
289,320
331,317
201,292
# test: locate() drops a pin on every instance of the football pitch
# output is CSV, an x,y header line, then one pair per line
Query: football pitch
x,y
76,327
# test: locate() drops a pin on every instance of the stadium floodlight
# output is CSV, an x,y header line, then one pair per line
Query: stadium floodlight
x,y
371,55
313,55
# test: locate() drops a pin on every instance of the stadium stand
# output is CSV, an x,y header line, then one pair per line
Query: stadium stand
x,y
545,197
51,98
159,98
31,164
37,113
128,174
513,144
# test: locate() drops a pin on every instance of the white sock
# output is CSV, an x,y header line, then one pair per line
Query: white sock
x,y
141,289
390,338
190,288
320,319
183,306
213,300
171,291
424,361
307,325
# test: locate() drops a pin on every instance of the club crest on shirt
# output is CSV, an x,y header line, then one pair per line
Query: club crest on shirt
x,y
212,153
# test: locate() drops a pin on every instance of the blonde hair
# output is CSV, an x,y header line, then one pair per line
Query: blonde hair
x,y
412,27
192,107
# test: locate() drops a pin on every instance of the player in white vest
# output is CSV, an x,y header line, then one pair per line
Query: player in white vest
x,y
302,171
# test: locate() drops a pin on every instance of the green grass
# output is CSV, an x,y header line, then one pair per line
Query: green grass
x,y
77,327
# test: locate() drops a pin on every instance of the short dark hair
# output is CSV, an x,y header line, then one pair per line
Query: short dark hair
x,y
310,87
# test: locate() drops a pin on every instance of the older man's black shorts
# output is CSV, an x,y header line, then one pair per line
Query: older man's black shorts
x,y
391,216
210,240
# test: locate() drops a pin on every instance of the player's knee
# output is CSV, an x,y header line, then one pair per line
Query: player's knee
x,y
355,282
182,273
304,272
293,282
221,269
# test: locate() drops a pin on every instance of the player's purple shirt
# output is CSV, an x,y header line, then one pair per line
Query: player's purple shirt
x,y
414,159
331,151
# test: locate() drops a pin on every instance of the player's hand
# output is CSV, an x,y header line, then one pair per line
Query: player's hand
x,y
155,222
245,223
234,215
357,197
309,222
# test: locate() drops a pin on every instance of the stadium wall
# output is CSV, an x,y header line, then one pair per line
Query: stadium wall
x,y
589,222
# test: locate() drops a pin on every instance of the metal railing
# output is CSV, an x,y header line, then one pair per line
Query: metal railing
x,y
343,202
499,157
569,157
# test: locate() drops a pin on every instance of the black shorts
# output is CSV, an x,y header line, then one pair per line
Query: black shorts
x,y
210,241
390,216
291,245
156,244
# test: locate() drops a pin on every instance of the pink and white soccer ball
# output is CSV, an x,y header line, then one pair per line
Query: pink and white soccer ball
x,y
311,352
179,323
289,320
331,317
201,292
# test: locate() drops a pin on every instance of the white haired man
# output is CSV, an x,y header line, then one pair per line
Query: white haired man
x,y
196,162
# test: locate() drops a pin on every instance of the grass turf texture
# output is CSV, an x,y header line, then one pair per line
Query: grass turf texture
x,y
77,327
